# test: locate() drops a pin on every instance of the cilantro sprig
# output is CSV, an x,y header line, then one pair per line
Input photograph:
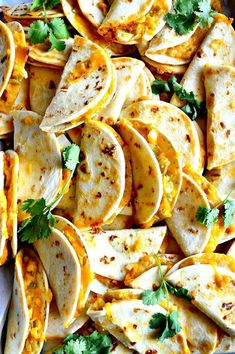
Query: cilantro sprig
x,y
167,325
95,343
193,107
188,14
45,4
208,217
38,225
53,31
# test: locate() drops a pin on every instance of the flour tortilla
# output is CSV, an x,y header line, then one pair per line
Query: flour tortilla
x,y
141,90
100,176
120,222
231,250
147,179
211,287
123,314
42,87
3,215
217,48
30,295
94,10
12,89
191,236
6,124
173,123
111,251
85,28
127,71
169,163
132,22
164,69
89,76
39,158
22,99
7,56
219,83
180,53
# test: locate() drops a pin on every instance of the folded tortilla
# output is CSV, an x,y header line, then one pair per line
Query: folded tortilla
x,y
173,123
147,179
6,124
123,314
220,91
12,89
217,48
173,49
169,163
39,156
42,87
231,250
29,308
127,71
95,11
100,180
132,22
164,69
89,76
111,251
65,259
120,222
7,56
210,280
191,236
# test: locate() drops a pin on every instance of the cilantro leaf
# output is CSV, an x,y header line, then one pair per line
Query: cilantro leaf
x,y
206,216
71,156
38,32
47,4
95,343
38,225
188,14
228,212
56,43
168,325
159,86
59,29
181,292
150,297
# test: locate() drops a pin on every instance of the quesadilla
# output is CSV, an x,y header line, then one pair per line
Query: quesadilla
x,y
39,158
132,22
12,89
22,99
111,251
191,236
65,259
163,50
217,48
94,10
147,179
89,76
120,222
6,124
173,123
226,344
100,180
7,56
9,168
83,26
202,141
127,71
42,87
231,250
220,91
210,279
164,69
123,314
29,308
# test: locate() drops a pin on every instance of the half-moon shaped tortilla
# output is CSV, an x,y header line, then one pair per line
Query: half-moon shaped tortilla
x,y
220,91
147,179
7,56
164,69
212,289
29,308
217,48
191,236
94,10
111,251
123,314
12,89
3,215
89,76
135,21
100,180
173,123
39,158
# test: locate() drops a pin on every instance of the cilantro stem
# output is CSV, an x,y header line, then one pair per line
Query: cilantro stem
x,y
45,12
60,195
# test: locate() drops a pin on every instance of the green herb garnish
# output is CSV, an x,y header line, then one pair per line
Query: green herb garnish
x,y
38,226
168,325
45,4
